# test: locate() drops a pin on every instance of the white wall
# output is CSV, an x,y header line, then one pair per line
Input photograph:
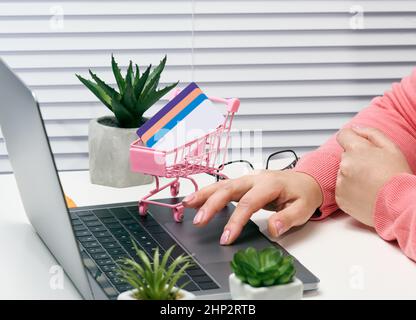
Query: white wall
x,y
301,68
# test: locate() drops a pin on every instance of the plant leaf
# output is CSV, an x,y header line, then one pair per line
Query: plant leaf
x,y
152,99
106,88
154,77
128,99
133,279
252,257
288,276
143,257
138,88
117,74
269,258
136,76
178,275
286,264
163,280
131,272
157,271
253,281
129,75
151,90
166,256
124,117
97,91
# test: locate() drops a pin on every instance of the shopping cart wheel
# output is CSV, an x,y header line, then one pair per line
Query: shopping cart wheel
x,y
174,188
178,213
142,208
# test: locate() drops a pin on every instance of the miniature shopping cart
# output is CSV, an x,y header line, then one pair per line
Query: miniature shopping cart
x,y
206,154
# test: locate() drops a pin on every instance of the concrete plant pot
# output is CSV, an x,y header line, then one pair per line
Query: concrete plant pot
x,y
242,291
109,155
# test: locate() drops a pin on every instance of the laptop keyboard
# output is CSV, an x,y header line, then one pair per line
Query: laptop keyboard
x,y
105,236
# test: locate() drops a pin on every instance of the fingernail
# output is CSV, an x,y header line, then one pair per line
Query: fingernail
x,y
279,227
225,237
199,216
189,198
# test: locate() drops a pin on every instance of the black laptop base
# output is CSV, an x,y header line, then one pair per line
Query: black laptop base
x,y
105,234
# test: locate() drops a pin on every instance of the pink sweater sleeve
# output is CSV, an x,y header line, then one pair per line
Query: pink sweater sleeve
x,y
394,113
395,213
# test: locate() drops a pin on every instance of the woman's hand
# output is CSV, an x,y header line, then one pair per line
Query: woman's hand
x,y
370,160
293,195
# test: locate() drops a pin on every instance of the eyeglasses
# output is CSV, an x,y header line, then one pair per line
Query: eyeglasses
x,y
279,160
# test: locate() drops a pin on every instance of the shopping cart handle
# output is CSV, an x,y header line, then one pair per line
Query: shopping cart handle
x,y
232,104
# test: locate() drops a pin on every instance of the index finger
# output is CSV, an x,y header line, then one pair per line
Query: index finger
x,y
255,199
348,139
198,198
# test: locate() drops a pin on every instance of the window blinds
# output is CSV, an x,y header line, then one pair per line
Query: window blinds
x,y
300,68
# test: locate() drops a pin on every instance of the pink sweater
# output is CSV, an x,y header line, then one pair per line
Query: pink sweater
x,y
395,209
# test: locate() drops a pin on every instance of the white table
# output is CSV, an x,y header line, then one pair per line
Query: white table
x,y
351,260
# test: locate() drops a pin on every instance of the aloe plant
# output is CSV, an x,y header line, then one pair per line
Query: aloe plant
x,y
154,280
136,92
264,268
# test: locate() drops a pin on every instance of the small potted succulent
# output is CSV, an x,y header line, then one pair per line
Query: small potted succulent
x,y
264,275
155,280
109,137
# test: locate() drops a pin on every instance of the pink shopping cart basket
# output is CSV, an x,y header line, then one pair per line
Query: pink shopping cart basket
x,y
206,154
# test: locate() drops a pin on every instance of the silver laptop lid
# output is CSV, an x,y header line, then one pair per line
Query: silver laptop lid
x,y
36,176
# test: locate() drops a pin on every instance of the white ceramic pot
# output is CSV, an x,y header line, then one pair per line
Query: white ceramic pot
x,y
128,295
109,155
242,291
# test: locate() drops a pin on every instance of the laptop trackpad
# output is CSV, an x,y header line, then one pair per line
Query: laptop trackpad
x,y
204,242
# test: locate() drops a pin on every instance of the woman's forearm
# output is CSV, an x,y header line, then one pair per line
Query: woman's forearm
x,y
394,114
395,213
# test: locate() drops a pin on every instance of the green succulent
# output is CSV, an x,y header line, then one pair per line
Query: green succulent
x,y
154,280
264,268
136,92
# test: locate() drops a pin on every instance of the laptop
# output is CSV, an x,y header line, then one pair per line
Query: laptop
x,y
88,241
